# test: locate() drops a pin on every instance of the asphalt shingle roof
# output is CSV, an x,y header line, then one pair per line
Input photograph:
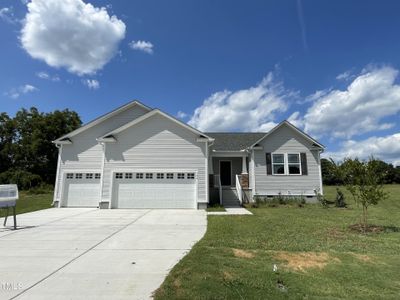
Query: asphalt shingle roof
x,y
234,141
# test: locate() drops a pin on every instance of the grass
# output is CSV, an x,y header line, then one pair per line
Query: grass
x,y
216,207
30,202
316,254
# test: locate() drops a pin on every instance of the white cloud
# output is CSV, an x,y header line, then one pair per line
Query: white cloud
x,y
181,115
71,34
251,109
386,148
47,76
144,46
15,93
92,84
7,15
345,76
368,99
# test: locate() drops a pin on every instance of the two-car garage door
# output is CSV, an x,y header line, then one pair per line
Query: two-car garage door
x,y
154,190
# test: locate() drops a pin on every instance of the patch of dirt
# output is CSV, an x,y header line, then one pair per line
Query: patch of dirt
x,y
177,283
359,228
302,261
335,233
362,257
243,253
227,276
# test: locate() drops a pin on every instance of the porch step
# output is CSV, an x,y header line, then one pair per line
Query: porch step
x,y
229,197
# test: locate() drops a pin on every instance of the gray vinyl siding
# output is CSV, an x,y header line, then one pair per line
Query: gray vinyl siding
x,y
156,143
85,153
286,140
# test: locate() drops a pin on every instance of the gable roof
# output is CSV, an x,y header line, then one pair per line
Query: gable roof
x,y
100,120
110,135
290,125
234,141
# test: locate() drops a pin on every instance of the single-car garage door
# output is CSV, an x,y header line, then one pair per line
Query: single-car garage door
x,y
154,190
81,190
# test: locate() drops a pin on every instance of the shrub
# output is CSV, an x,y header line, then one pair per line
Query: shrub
x,y
43,188
340,199
24,179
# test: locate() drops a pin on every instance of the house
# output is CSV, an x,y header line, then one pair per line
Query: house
x,y
139,157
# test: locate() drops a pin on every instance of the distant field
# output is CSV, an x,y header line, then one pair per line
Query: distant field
x,y
317,256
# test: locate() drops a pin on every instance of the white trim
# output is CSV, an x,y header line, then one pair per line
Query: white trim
x,y
102,118
320,173
103,147
57,184
207,174
148,115
287,123
230,164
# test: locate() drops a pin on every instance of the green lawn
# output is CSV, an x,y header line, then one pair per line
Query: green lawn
x,y
317,256
30,202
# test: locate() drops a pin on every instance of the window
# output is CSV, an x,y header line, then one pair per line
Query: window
x,y
278,164
119,175
70,175
160,175
139,175
170,175
97,176
181,175
294,165
128,175
78,176
89,176
190,175
149,175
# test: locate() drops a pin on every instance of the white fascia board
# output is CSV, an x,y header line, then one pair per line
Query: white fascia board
x,y
102,118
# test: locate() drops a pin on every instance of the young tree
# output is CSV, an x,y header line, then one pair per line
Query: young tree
x,y
363,179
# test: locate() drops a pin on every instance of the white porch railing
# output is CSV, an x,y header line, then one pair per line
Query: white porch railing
x,y
217,184
239,190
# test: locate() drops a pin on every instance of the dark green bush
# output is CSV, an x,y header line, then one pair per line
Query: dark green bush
x,y
25,180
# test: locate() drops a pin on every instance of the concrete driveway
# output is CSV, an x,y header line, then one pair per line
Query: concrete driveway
x,y
79,253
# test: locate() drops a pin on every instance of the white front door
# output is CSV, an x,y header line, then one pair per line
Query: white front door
x,y
154,190
81,190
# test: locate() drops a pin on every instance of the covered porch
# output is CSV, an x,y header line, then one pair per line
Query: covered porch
x,y
229,178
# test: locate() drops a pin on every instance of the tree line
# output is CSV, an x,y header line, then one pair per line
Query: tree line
x,y
389,173
27,155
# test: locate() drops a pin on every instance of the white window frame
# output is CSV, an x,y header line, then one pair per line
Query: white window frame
x,y
160,175
285,163
180,176
97,176
128,175
149,176
190,176
89,176
139,176
119,175
70,175
170,176
78,175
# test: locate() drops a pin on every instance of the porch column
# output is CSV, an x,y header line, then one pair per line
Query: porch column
x,y
244,166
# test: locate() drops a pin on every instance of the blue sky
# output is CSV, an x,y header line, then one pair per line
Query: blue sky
x,y
330,67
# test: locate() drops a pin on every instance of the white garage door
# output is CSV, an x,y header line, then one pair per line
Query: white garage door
x,y
81,190
154,190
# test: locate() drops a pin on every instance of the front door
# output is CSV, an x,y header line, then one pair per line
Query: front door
x,y
225,172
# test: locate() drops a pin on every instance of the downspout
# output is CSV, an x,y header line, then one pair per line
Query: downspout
x,y
56,185
103,146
